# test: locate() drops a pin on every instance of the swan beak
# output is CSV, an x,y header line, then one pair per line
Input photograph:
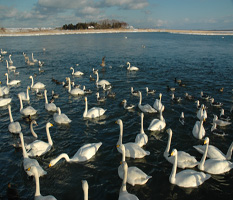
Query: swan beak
x,y
29,169
172,153
205,141
0,82
51,124
118,146
121,162
50,165
29,88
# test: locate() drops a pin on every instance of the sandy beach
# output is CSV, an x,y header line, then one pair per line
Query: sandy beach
x,y
41,32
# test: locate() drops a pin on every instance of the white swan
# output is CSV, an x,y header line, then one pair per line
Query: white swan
x,y
220,122
61,118
201,113
141,138
93,112
38,85
75,91
184,160
77,73
37,195
123,194
29,162
13,127
135,175
145,108
213,166
4,101
198,130
39,147
25,96
214,153
10,67
28,110
3,52
102,82
85,189
49,106
187,178
4,90
13,82
131,149
33,59
158,124
134,92
10,60
158,103
84,153
133,68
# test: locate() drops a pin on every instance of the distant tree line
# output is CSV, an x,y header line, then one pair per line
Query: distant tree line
x,y
104,24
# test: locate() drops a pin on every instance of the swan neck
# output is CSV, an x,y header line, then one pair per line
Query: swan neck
x,y
121,134
229,152
27,94
69,86
123,187
161,115
10,115
85,191
123,153
140,98
46,98
50,141
86,108
21,103
142,129
32,130
202,162
25,155
37,193
63,155
7,64
168,143
97,77
172,177
7,80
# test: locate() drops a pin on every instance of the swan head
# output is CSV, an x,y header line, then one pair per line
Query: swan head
x,y
127,63
71,68
49,124
84,185
30,77
45,91
28,87
119,121
174,152
206,141
169,131
34,122
6,74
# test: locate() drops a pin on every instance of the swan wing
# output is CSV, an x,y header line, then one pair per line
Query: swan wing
x,y
141,139
134,151
51,107
147,108
38,85
14,127
76,91
28,111
214,166
95,112
37,148
157,125
185,160
213,152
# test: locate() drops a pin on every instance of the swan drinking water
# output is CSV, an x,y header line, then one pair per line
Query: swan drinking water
x,y
93,112
131,149
84,153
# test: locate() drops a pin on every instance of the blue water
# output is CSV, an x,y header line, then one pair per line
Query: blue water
x,y
203,63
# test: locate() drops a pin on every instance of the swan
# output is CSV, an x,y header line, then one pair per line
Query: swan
x,y
10,67
131,149
133,68
123,194
84,153
184,160
146,107
4,90
25,96
77,73
102,82
39,147
141,138
10,60
187,178
13,82
3,52
33,59
49,106
27,139
148,91
85,189
38,196
158,124
38,85
213,166
61,118
28,110
75,91
134,92
158,103
13,127
127,107
29,162
135,175
4,101
214,153
198,130
220,122
93,112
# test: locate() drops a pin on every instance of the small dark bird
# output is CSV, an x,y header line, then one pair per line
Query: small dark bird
x,y
12,193
103,62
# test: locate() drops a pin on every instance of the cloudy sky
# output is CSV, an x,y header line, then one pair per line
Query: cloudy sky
x,y
174,14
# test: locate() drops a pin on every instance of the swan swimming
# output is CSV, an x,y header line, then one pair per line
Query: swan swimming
x,y
135,175
145,108
28,110
10,67
187,178
133,68
213,166
158,103
25,96
220,122
13,127
158,124
199,130
84,153
75,91
4,90
61,118
13,82
38,85
131,149
39,147
77,73
184,160
141,138
93,112
101,82
49,106
4,101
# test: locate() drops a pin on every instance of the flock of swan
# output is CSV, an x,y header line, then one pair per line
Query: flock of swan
x,y
217,162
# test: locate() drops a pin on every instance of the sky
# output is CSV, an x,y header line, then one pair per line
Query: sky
x,y
161,14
